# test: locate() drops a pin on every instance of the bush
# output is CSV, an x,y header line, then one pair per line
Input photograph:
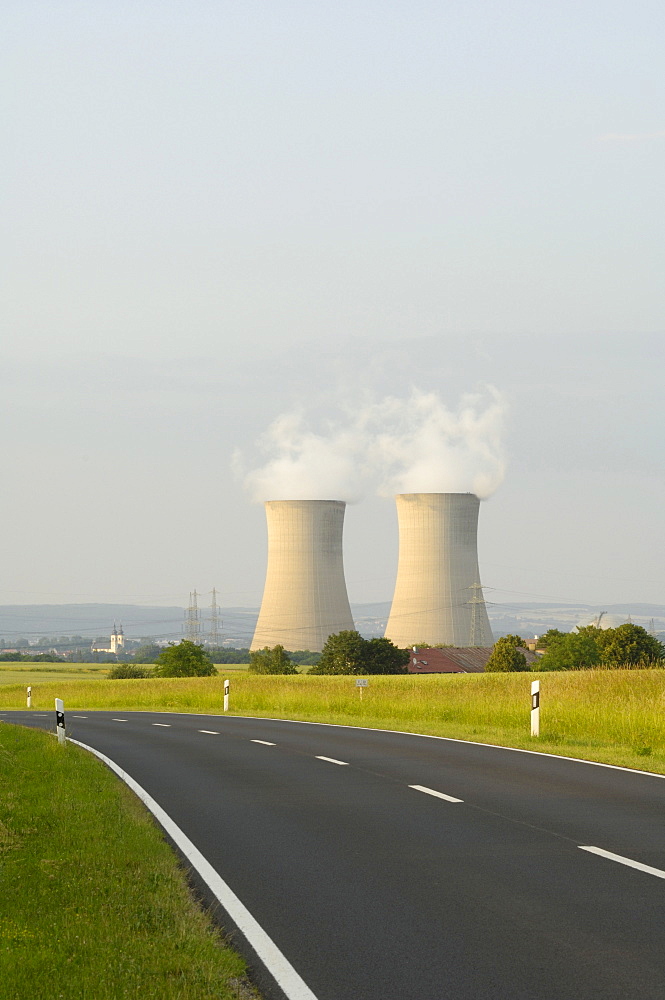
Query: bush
x,y
125,671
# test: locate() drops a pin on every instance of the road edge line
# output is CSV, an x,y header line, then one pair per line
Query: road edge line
x,y
277,965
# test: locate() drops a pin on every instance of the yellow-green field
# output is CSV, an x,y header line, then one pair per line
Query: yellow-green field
x,y
614,716
39,673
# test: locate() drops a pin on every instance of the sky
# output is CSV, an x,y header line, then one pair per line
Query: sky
x,y
221,214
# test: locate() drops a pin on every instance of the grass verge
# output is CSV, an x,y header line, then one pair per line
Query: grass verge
x,y
612,716
94,905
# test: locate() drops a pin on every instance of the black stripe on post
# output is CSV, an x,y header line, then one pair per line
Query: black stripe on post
x,y
535,699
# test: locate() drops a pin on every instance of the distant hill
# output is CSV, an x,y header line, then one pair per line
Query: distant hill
x,y
90,621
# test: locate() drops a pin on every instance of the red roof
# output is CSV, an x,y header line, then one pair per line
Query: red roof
x,y
454,659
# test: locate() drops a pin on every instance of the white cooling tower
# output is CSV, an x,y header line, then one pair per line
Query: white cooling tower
x,y
305,599
438,597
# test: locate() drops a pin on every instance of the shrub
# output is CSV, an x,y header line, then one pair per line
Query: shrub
x,y
124,671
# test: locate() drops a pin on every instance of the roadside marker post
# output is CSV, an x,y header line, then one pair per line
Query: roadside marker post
x,y
226,695
361,684
29,697
535,708
60,720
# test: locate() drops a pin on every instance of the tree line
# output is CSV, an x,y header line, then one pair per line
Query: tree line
x,y
587,647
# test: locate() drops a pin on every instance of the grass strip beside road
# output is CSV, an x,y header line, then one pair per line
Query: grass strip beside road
x,y
611,716
93,904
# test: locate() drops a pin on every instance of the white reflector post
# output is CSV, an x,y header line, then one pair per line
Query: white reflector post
x,y
29,697
60,720
535,708
226,696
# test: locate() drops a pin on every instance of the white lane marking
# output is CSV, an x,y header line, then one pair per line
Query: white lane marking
x,y
164,725
407,732
438,795
212,732
39,715
79,716
445,739
264,742
276,963
625,861
331,760
118,720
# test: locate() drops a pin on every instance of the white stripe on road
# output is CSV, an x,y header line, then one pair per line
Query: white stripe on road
x,y
279,967
331,760
79,716
625,861
211,732
264,742
438,795
164,725
118,720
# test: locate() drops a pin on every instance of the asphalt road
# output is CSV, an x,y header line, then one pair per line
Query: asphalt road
x,y
375,890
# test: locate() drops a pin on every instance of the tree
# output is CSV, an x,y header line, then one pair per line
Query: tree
x,y
572,651
271,661
629,644
184,659
348,653
384,657
546,640
507,655
341,654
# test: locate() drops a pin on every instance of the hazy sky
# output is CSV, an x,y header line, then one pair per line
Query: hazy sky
x,y
216,213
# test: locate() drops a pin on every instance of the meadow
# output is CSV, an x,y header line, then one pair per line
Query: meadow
x,y
26,673
613,716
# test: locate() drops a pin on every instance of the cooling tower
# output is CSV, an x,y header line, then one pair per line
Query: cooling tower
x,y
304,600
438,597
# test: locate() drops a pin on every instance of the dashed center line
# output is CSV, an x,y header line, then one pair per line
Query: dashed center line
x,y
211,732
331,760
118,720
164,725
438,795
625,861
79,716
264,742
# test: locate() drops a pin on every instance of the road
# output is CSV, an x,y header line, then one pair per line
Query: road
x,y
376,889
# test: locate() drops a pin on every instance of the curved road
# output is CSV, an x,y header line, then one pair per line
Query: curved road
x,y
376,889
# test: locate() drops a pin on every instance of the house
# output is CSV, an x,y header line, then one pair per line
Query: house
x,y
454,659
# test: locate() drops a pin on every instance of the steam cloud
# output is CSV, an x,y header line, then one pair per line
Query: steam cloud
x,y
306,465
406,445
427,448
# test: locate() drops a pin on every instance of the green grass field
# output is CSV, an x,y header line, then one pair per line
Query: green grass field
x,y
94,905
40,673
614,716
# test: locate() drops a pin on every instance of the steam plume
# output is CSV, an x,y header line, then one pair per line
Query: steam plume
x,y
423,447
406,445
